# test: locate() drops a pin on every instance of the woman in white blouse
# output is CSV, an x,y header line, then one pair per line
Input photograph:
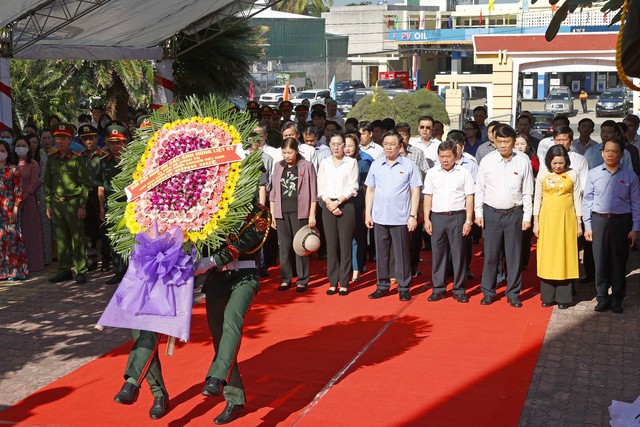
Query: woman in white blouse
x,y
337,185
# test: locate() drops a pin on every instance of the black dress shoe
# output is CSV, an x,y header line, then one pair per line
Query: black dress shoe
x,y
463,298
284,286
213,387
61,277
547,304
343,292
115,279
81,278
128,394
332,291
601,306
230,413
515,302
563,305
486,300
301,288
436,297
404,296
378,293
616,307
159,408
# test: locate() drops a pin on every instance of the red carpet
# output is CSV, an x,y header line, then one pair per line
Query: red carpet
x,y
316,360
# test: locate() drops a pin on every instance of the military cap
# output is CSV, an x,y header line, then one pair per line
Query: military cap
x,y
143,121
252,105
116,132
87,130
277,113
64,129
286,106
255,114
266,111
301,109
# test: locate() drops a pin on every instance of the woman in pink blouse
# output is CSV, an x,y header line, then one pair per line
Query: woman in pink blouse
x,y
29,215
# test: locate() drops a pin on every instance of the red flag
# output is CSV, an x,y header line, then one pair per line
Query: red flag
x,y
480,18
251,91
428,84
389,23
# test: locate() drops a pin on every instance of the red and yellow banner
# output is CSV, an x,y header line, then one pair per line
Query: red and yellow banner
x,y
184,163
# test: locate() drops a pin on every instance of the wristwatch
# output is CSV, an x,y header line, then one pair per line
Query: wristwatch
x,y
413,216
468,222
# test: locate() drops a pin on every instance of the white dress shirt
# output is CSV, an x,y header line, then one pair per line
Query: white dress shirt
x,y
504,184
275,153
309,154
578,163
543,147
430,150
335,181
448,188
374,150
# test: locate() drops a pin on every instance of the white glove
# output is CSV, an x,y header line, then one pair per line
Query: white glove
x,y
204,265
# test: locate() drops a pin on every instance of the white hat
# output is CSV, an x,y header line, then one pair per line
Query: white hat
x,y
306,241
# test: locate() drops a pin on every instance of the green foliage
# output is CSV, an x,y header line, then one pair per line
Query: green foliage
x,y
221,66
362,3
407,107
305,7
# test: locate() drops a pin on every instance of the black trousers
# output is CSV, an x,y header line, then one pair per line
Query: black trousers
x,y
447,241
560,291
610,253
288,226
339,233
398,237
498,229
93,231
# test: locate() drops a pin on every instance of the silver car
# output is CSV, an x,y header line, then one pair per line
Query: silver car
x,y
559,102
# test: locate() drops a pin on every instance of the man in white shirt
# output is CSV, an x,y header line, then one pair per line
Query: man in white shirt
x,y
503,205
545,144
448,212
427,143
332,112
291,130
581,144
366,141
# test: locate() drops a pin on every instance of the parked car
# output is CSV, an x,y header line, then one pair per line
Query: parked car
x,y
543,122
559,101
390,84
612,102
343,85
311,95
274,97
349,98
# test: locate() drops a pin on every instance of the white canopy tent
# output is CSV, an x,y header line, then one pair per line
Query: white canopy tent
x,y
110,29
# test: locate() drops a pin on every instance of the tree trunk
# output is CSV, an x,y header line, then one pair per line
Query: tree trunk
x,y
117,100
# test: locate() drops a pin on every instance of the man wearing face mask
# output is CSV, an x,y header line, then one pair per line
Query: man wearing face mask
x,y
66,189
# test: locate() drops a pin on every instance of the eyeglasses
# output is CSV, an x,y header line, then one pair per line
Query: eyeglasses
x,y
336,144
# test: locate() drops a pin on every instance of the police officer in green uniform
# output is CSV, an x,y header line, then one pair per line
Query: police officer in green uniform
x,y
116,140
93,230
230,286
274,138
286,107
66,187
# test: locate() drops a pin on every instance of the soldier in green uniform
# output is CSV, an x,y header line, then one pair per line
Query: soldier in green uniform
x,y
230,286
93,231
66,187
108,168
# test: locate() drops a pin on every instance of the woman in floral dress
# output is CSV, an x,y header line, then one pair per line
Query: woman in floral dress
x,y
13,255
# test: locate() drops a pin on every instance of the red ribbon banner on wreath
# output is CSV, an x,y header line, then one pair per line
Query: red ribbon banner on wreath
x,y
184,163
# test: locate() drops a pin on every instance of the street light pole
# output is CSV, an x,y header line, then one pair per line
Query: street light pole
x,y
326,60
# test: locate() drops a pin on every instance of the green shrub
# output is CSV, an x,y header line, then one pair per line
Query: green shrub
x,y
407,107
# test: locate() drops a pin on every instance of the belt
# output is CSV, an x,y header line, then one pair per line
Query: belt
x,y
610,215
239,265
451,213
65,198
503,211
